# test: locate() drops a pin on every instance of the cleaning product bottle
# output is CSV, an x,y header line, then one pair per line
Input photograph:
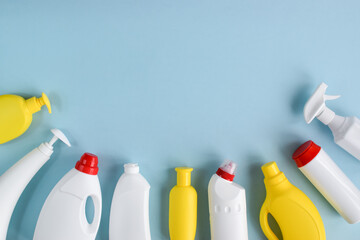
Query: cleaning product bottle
x,y
294,212
16,114
328,178
15,179
63,215
227,205
183,207
346,130
129,215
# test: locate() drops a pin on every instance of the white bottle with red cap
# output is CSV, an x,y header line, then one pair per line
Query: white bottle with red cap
x,y
346,130
129,215
330,181
227,205
63,215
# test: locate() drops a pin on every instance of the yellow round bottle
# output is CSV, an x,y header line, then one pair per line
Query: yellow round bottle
x,y
183,207
294,212
16,114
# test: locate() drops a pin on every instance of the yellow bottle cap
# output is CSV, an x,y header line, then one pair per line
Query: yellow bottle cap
x,y
183,176
34,104
270,169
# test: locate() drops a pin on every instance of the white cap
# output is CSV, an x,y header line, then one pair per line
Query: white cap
x,y
131,168
315,106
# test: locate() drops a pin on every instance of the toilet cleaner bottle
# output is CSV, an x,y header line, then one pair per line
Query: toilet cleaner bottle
x,y
328,178
346,130
14,181
183,207
227,205
129,214
16,114
294,212
63,215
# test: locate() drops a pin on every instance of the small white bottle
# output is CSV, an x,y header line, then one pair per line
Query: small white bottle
x,y
329,180
129,215
346,130
227,205
63,215
14,181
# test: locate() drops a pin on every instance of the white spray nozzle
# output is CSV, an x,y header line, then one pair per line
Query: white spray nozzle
x,y
315,106
229,167
59,135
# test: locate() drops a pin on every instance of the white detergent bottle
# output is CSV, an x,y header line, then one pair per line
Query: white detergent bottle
x,y
328,178
227,205
63,216
129,215
346,130
14,181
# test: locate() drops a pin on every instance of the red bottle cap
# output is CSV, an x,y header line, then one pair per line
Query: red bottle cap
x,y
305,153
225,175
88,164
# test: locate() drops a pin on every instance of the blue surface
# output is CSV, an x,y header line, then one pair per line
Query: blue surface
x,y
179,83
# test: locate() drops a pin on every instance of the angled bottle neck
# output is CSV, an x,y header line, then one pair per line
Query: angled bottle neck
x,y
33,104
274,180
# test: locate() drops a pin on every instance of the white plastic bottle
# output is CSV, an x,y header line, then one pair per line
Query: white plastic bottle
x,y
346,130
63,214
227,205
14,181
129,215
328,178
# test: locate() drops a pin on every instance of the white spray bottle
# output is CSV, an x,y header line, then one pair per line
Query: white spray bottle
x,y
63,216
227,205
346,130
129,216
15,179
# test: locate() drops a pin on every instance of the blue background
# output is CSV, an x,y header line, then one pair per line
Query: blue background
x,y
179,83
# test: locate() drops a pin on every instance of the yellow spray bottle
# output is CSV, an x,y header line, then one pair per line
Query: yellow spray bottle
x,y
183,207
294,212
16,114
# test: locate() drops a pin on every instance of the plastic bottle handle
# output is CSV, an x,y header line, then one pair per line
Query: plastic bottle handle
x,y
264,212
91,228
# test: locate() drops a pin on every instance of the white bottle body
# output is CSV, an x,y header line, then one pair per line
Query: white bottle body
x,y
346,133
14,181
63,214
129,215
227,206
334,185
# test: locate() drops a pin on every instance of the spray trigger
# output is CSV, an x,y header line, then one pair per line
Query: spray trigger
x,y
315,106
331,97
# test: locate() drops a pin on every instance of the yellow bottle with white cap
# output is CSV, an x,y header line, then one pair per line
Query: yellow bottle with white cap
x,y
294,212
16,114
183,207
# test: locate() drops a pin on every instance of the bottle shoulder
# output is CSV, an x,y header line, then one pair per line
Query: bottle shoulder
x,y
348,129
130,182
224,189
183,190
78,184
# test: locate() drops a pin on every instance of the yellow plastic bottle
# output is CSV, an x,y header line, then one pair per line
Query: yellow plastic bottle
x,y
183,207
16,114
294,212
